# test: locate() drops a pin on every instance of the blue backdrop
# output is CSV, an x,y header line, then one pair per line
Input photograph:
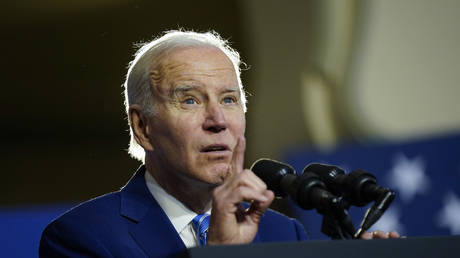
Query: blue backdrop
x,y
21,228
424,173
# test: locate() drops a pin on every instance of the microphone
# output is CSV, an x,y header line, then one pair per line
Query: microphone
x,y
358,188
273,172
307,190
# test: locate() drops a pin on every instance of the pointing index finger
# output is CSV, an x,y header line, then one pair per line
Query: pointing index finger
x,y
238,156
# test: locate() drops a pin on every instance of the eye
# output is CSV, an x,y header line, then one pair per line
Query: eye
x,y
229,100
190,101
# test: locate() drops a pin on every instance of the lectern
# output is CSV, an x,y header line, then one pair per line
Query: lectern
x,y
447,246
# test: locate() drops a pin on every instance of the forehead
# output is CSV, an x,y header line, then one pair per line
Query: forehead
x,y
194,62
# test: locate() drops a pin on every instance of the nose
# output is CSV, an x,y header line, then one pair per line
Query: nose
x,y
214,119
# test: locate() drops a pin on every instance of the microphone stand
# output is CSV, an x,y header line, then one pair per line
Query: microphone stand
x,y
336,222
338,225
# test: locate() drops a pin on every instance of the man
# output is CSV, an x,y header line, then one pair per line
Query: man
x,y
185,103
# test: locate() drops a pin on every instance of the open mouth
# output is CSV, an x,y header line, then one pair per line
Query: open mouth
x,y
215,148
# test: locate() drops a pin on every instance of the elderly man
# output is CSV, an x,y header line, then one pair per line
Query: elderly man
x,y
185,103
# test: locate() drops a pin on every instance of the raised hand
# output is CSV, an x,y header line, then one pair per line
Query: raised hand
x,y
230,222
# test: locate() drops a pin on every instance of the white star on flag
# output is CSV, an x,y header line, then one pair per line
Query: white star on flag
x,y
408,177
449,217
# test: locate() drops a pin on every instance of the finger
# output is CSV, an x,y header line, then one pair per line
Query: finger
x,y
246,178
379,234
366,235
254,180
236,164
257,209
263,206
393,234
245,193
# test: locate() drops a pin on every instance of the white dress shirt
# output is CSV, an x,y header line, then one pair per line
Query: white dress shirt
x,y
180,216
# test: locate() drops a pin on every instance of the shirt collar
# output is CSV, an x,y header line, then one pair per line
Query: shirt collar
x,y
179,215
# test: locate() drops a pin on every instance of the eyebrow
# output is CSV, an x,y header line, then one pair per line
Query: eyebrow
x,y
231,90
180,89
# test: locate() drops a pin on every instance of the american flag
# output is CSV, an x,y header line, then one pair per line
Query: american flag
x,y
424,173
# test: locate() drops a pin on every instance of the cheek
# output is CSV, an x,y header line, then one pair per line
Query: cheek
x,y
173,131
239,124
186,129
243,124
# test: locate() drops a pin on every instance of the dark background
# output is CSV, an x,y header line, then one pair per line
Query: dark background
x,y
64,133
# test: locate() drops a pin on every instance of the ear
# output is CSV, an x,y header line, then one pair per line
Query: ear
x,y
140,126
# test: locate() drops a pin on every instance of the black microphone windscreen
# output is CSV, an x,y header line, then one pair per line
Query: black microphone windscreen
x,y
271,172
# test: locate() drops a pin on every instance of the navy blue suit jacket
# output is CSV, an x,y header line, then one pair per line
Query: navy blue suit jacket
x,y
130,223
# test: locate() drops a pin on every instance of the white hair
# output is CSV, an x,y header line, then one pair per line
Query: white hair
x,y
138,88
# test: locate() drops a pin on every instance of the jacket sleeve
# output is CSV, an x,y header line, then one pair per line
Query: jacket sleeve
x,y
61,239
301,234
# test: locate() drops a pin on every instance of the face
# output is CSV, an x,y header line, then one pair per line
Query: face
x,y
198,115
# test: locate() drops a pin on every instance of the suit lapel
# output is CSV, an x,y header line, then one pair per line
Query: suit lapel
x,y
151,229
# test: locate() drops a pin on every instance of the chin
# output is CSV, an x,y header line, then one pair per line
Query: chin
x,y
217,173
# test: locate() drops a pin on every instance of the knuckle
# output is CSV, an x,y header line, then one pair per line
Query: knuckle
x,y
244,173
216,192
248,174
240,191
264,185
242,177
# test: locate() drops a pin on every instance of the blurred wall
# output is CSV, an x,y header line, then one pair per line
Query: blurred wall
x,y
403,79
281,45
329,73
301,52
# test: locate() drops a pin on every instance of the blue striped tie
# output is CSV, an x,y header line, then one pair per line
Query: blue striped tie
x,y
201,225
